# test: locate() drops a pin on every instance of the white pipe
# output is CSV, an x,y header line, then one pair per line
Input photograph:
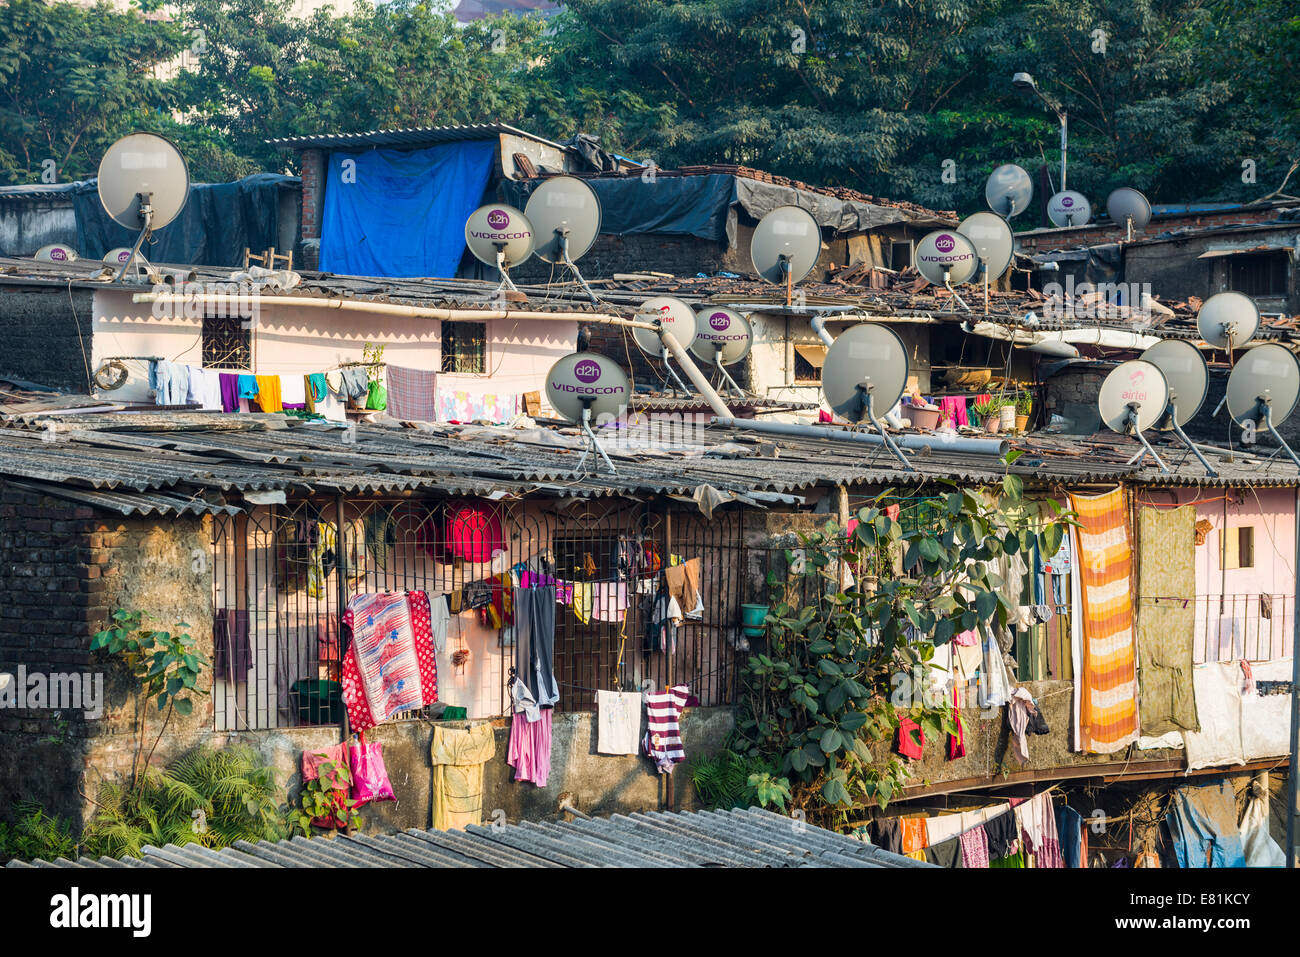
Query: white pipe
x,y
944,442
819,327
694,374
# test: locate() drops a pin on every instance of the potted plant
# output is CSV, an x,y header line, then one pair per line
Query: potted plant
x,y
987,411
1007,410
1024,406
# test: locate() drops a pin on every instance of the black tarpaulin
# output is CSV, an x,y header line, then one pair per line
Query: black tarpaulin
x,y
219,220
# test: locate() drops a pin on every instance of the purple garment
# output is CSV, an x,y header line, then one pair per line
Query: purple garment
x,y
298,406
229,392
233,656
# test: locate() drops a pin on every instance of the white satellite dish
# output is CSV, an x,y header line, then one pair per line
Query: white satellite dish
x,y
675,317
584,386
1069,208
1132,399
143,184
785,246
56,253
565,212
991,236
722,337
1009,190
864,375
947,258
500,236
1188,379
120,256
1228,320
1263,389
1130,208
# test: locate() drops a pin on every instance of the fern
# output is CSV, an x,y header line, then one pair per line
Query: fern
x,y
34,834
722,779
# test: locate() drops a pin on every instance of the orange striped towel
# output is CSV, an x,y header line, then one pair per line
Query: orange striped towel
x,y
1107,682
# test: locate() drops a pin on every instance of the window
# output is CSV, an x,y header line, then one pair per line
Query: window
x,y
808,361
1239,547
464,347
1258,274
227,342
900,255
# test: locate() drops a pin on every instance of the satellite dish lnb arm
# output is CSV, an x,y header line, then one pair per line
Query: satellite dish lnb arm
x,y
1266,409
146,218
865,389
1131,425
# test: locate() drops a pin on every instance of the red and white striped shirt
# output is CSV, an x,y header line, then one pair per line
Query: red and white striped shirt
x,y
663,740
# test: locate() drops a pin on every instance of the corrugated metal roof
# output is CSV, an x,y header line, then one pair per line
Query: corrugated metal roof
x,y
738,838
414,136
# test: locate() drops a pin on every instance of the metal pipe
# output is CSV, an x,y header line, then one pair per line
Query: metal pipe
x,y
693,373
954,444
1292,809
819,327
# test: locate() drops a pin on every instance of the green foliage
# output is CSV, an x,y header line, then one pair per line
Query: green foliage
x,y
34,835
723,779
824,700
769,790
165,666
325,798
207,797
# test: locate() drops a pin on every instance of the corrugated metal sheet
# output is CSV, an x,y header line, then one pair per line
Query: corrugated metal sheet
x,y
411,136
739,838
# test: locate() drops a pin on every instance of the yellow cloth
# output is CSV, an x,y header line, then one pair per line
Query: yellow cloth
x,y
326,542
582,594
458,757
268,393
311,402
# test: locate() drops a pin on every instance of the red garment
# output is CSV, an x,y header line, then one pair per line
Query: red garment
x,y
472,531
909,743
957,742
390,664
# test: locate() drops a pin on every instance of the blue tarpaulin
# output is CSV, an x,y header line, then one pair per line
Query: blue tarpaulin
x,y
402,213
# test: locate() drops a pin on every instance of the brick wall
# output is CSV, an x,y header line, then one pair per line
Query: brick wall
x,y
1095,235
313,204
44,332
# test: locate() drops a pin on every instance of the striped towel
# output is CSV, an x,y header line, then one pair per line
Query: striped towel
x,y
412,394
390,663
1106,683
663,740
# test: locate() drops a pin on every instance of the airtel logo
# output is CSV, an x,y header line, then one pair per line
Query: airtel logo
x,y
719,321
1136,378
945,243
587,370
498,219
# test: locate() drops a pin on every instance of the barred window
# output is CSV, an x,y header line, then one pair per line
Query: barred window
x,y
227,343
464,347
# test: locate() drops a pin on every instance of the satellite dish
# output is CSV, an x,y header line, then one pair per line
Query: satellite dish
x,y
1069,208
722,337
991,236
566,215
500,236
1132,399
1267,374
121,255
947,258
1228,320
865,371
677,318
587,385
143,185
1127,205
1186,374
56,253
785,245
1009,190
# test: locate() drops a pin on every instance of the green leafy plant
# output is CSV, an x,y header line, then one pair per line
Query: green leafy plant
x,y
770,790
1024,403
325,798
983,408
34,835
722,778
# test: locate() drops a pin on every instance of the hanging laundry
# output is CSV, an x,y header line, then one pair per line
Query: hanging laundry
x,y
472,531
233,655
563,589
911,739
354,382
608,601
1203,824
293,392
268,393
1021,706
170,382
204,389
315,389
229,384
1003,834
324,556
684,585
458,757
390,665
663,738
1037,820
974,847
529,751
412,394
946,853
889,834
1070,829
582,600
534,658
1166,626
957,742
914,837
626,557
248,387
665,618
618,721
995,682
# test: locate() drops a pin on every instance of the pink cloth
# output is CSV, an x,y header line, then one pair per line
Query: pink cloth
x,y
608,601
966,638
389,666
954,409
975,847
530,747
563,589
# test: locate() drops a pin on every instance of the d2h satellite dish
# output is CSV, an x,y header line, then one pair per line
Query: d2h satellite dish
x,y
1263,389
947,258
1069,208
1228,320
785,246
585,385
565,212
143,184
864,373
674,316
722,337
56,253
1188,378
1132,399
1008,190
500,236
1129,207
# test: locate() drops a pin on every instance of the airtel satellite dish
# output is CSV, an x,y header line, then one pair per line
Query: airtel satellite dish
x,y
1127,205
143,165
56,253
677,317
499,235
992,239
584,386
868,353
1069,208
1186,374
1267,375
566,215
946,257
1134,395
1228,320
721,335
785,245
1009,190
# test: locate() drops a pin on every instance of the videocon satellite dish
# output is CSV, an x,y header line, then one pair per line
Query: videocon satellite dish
x,y
1228,320
1128,207
498,234
1132,399
566,215
676,318
56,253
722,337
864,375
1186,374
143,181
1069,208
947,258
991,236
1009,190
785,245
584,386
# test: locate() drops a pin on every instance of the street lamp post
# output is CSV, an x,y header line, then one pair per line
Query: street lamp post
x,y
1023,81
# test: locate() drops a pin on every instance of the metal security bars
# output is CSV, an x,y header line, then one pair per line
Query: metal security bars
x,y
283,575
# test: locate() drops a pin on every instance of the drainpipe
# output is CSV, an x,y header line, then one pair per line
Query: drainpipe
x,y
819,327
940,442
1292,811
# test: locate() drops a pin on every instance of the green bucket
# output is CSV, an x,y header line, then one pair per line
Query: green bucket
x,y
319,702
751,620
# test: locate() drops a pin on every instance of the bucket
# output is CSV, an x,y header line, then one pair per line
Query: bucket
x,y
1008,413
927,419
751,620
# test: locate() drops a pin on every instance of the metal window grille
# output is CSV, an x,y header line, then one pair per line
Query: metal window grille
x,y
227,342
464,347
